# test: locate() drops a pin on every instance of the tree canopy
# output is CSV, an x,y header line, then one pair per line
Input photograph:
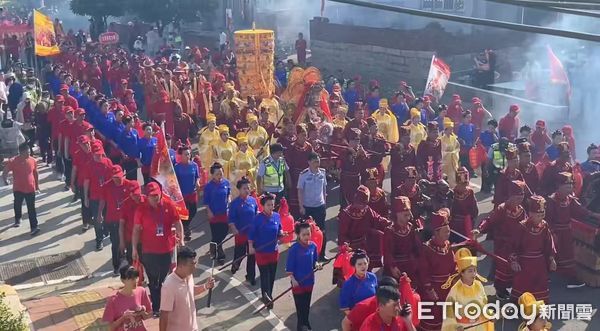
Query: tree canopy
x,y
97,8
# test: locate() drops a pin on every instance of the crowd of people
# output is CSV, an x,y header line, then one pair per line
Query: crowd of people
x,y
97,114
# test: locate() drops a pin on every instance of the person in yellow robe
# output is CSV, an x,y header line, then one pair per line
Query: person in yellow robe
x,y
273,109
243,163
450,152
224,148
257,136
207,135
418,132
387,124
468,289
533,307
230,96
339,116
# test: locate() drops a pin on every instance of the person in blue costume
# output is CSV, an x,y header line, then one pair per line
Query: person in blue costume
x,y
242,211
361,285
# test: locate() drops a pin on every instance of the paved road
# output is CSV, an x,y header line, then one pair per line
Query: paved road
x,y
235,303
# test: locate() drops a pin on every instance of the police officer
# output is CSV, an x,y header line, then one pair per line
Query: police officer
x,y
273,173
312,194
496,161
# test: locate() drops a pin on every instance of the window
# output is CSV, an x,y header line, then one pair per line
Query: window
x,y
443,5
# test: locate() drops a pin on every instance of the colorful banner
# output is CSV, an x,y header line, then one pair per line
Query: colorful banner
x,y
439,75
45,36
162,171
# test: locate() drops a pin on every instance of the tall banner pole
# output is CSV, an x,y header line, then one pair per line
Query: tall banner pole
x,y
35,57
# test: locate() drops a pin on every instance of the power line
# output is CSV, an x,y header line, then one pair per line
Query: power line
x,y
544,7
476,21
563,4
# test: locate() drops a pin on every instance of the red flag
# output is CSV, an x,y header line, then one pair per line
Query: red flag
x,y
162,171
558,74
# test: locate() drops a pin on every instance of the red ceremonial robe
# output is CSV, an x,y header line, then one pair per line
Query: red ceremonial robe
x,y
533,247
356,223
379,204
401,246
503,182
429,159
531,177
351,167
550,181
401,157
297,159
503,223
463,212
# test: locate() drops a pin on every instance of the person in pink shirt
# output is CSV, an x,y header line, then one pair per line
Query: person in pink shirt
x,y
127,309
177,307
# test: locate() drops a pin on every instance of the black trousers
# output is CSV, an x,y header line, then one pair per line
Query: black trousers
x,y
30,137
86,215
157,268
130,167
267,278
68,166
218,233
464,161
113,230
319,214
98,226
192,208
18,206
302,302
45,149
238,252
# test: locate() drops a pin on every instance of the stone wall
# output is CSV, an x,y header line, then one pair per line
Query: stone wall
x,y
388,65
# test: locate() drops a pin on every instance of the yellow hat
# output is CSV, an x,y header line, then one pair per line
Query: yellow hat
x,y
448,123
414,112
383,103
529,303
211,117
464,260
251,118
223,128
241,138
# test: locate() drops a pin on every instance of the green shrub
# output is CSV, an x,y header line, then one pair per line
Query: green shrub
x,y
8,320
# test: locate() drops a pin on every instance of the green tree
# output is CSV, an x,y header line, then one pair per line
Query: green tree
x,y
161,12
8,320
99,11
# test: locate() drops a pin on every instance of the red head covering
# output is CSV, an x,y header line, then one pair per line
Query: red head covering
x,y
153,188
455,97
537,204
400,204
439,219
540,123
59,98
97,149
83,139
64,87
515,108
135,188
567,130
362,195
517,187
117,171
80,111
476,100
565,178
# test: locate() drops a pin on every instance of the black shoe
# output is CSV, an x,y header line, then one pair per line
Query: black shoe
x,y
234,268
252,281
99,246
66,188
85,227
187,238
17,224
116,273
35,231
156,314
221,261
502,294
74,199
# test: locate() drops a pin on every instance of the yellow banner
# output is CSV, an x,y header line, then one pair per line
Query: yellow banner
x,y
45,36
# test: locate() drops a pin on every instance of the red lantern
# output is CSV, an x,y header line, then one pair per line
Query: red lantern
x,y
577,179
342,269
316,235
287,222
408,296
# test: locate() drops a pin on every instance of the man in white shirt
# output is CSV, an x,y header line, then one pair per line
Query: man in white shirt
x,y
177,307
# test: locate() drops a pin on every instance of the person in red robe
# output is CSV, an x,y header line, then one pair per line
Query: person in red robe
x,y
358,219
509,125
402,155
94,75
287,135
540,141
182,124
129,102
463,209
188,101
378,202
507,176
358,122
429,154
567,131
527,168
455,110
436,264
409,188
301,49
549,181
377,148
353,161
296,157
401,242
478,115
503,223
205,99
533,253
163,112
561,209
265,122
